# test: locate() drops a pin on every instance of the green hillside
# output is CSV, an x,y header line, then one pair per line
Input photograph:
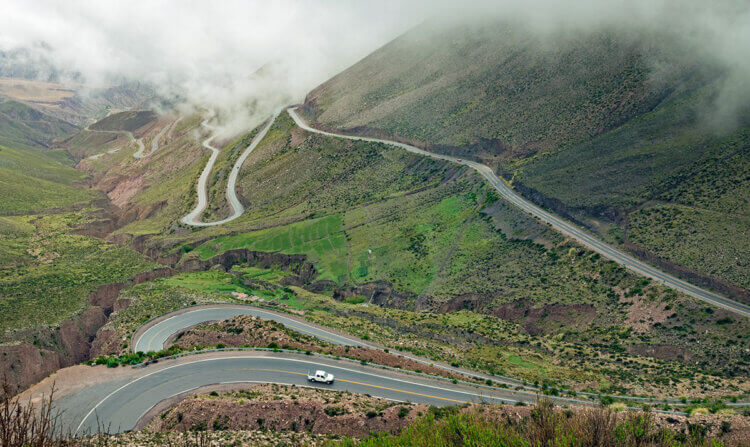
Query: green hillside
x,y
610,131
364,212
34,178
46,270
495,90
22,125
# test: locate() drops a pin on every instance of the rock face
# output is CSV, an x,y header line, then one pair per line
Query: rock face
x,y
380,292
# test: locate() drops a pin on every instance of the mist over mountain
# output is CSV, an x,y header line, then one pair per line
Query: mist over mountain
x,y
204,55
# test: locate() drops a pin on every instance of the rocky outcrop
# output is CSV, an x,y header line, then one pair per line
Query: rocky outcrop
x,y
106,342
320,286
24,364
296,264
380,292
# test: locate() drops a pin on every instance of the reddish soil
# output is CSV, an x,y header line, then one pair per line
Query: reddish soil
x,y
275,407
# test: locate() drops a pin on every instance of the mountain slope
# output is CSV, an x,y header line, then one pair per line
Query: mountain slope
x,y
420,242
20,124
496,89
601,128
31,176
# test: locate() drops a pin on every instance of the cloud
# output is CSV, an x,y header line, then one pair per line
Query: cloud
x,y
204,52
207,53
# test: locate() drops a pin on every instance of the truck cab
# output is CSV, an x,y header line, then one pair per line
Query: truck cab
x,y
320,376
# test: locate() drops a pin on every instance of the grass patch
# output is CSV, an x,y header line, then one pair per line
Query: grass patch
x,y
52,272
322,239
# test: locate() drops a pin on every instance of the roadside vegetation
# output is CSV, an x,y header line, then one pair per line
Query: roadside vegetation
x,y
542,426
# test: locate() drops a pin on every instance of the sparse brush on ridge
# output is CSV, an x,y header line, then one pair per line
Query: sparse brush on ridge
x,y
545,426
25,425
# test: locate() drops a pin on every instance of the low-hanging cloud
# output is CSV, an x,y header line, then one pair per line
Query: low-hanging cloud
x,y
208,54
204,53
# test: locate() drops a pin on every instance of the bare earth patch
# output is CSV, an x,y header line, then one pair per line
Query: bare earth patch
x,y
643,314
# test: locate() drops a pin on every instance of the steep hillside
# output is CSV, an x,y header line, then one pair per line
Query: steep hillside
x,y
462,275
496,90
611,132
128,121
33,178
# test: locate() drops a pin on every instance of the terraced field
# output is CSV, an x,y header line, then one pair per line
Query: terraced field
x,y
322,239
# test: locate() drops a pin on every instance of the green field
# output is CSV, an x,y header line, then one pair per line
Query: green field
x,y
322,239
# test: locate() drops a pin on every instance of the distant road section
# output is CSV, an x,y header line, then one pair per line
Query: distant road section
x,y
193,217
154,144
559,224
140,153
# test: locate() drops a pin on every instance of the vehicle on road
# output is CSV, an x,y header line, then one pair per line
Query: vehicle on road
x,y
320,376
459,160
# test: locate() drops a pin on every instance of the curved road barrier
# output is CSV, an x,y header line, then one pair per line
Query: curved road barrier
x,y
558,223
193,217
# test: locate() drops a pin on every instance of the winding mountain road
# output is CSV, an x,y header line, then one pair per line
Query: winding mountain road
x,y
120,403
154,334
193,217
154,144
557,223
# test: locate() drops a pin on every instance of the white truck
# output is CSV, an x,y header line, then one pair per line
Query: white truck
x,y
320,376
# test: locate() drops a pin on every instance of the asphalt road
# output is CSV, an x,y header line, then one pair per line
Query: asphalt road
x,y
153,338
559,224
193,217
120,404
